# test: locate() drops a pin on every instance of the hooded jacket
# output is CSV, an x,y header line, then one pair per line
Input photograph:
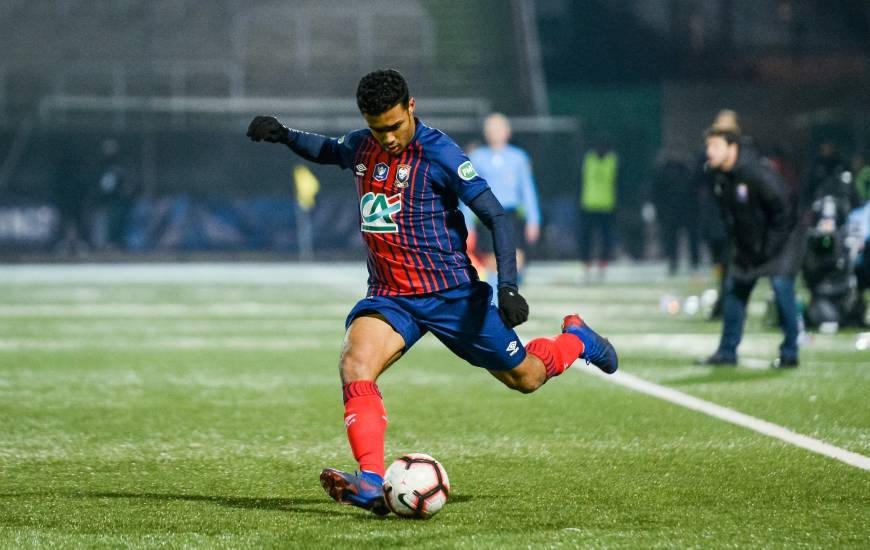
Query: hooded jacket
x,y
760,214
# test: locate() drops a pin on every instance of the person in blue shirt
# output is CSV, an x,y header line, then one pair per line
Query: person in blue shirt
x,y
509,172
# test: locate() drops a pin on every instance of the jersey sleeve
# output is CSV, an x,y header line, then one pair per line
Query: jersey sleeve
x,y
323,150
467,213
344,148
458,173
492,214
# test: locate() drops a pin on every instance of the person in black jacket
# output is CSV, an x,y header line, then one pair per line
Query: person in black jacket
x,y
760,215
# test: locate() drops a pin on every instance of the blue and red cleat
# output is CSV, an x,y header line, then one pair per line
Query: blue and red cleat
x,y
597,350
364,490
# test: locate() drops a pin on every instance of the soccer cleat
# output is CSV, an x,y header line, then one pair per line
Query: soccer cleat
x,y
364,490
718,359
785,363
596,349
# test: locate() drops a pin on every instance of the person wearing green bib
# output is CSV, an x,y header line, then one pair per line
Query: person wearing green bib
x,y
597,204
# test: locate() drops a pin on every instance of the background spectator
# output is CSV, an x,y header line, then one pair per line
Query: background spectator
x,y
598,196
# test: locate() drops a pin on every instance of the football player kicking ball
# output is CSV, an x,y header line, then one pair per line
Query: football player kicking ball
x,y
409,179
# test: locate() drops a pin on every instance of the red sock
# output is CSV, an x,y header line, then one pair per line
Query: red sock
x,y
366,422
557,352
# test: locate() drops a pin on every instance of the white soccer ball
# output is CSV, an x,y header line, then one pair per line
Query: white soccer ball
x,y
416,486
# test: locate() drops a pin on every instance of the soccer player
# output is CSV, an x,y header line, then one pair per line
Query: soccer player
x,y
409,180
509,173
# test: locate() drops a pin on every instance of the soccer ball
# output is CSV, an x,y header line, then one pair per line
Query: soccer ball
x,y
416,486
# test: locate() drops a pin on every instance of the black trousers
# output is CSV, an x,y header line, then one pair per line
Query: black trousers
x,y
595,224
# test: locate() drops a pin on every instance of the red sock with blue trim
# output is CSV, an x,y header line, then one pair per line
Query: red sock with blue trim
x,y
557,352
366,421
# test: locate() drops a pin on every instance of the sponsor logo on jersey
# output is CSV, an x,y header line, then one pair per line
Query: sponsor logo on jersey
x,y
381,170
742,192
341,140
403,175
377,211
513,348
466,171
360,169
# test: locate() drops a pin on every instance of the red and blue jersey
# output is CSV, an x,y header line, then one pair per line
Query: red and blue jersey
x,y
409,209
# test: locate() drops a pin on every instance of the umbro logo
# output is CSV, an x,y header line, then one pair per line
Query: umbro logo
x,y
513,348
360,169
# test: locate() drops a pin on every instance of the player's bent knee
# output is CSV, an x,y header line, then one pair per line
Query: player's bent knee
x,y
526,377
522,383
526,388
529,386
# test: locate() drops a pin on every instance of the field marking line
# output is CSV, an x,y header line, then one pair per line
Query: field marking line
x,y
730,415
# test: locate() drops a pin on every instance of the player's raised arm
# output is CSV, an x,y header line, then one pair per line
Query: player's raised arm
x,y
313,147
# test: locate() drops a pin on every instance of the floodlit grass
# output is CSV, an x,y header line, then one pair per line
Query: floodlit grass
x,y
199,412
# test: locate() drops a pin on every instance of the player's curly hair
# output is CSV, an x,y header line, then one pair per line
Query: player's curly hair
x,y
379,90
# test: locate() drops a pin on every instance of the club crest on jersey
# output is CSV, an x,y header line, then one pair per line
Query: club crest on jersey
x,y
381,170
377,211
360,169
403,175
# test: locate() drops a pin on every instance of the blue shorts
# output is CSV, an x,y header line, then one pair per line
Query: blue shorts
x,y
463,318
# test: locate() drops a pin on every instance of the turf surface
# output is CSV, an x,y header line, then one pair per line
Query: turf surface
x,y
195,406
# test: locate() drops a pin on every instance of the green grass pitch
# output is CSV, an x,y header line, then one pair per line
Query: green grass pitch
x,y
194,406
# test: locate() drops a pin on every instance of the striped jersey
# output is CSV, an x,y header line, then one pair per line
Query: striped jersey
x,y
409,210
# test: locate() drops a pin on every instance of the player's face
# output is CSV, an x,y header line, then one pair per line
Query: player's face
x,y
394,128
720,153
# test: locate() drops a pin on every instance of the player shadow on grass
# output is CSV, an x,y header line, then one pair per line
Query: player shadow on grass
x,y
717,375
301,505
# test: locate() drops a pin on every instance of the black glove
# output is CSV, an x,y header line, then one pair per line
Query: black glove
x,y
268,128
512,307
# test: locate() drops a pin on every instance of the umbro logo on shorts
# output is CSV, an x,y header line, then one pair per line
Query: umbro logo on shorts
x,y
513,348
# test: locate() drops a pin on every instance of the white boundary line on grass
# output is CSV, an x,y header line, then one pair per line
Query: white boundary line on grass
x,y
734,417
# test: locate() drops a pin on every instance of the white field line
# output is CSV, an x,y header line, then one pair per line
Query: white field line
x,y
735,417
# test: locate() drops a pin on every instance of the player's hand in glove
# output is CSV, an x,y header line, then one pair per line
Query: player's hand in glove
x,y
268,128
512,307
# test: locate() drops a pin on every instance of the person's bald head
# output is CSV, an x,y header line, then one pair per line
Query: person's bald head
x,y
496,130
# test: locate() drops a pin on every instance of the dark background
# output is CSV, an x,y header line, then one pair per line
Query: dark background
x,y
647,75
